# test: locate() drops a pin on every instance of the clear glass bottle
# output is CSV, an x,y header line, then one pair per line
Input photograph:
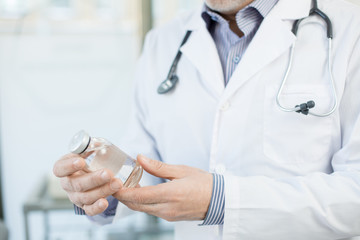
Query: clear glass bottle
x,y
100,153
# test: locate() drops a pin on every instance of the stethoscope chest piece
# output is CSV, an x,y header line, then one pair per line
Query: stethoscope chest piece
x,y
167,85
170,82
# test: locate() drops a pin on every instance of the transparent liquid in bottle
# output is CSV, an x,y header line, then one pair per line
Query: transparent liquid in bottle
x,y
100,153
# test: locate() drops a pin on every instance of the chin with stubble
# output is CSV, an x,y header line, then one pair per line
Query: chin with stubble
x,y
227,6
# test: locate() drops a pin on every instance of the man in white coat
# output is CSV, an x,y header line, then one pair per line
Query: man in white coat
x,y
238,166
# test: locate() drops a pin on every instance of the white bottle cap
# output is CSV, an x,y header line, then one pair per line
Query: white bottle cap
x,y
79,142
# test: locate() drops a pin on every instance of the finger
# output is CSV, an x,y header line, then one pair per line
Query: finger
x,y
96,208
144,195
162,210
153,209
68,165
91,196
162,170
87,181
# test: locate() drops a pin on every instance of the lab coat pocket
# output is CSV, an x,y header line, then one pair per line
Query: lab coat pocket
x,y
294,138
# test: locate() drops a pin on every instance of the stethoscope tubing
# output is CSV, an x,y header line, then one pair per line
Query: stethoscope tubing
x,y
332,82
170,82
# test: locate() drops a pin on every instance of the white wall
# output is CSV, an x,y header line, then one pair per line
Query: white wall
x,y
164,10
52,86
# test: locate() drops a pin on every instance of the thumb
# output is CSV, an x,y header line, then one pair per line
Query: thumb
x,y
160,169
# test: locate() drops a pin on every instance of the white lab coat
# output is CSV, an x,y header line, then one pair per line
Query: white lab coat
x,y
287,176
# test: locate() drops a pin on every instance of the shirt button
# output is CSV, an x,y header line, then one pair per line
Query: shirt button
x,y
236,59
220,169
225,106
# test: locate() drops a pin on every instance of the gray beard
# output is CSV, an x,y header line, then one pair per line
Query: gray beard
x,y
227,6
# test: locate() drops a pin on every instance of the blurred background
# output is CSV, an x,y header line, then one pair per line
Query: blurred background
x,y
67,65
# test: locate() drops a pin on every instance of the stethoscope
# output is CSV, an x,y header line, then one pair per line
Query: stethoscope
x,y
170,82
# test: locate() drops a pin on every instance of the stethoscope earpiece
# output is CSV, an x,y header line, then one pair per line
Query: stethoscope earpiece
x,y
167,85
304,107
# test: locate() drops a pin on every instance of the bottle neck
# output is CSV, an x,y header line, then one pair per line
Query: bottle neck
x,y
96,143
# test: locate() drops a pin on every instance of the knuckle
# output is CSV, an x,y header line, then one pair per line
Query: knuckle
x,y
64,182
176,197
85,199
74,200
98,178
76,185
169,214
104,191
138,198
60,166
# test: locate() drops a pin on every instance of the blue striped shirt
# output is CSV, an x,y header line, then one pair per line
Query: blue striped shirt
x,y
231,48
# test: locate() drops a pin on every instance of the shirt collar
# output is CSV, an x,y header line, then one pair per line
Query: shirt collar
x,y
263,6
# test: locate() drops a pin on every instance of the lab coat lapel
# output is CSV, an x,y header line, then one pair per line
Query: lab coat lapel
x,y
201,50
273,39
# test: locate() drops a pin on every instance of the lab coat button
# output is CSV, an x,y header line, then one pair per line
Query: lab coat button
x,y
220,169
225,106
236,59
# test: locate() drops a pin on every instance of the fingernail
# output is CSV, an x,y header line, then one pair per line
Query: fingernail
x,y
105,176
115,185
146,159
102,204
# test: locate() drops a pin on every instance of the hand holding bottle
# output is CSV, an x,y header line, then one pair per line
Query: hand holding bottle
x,y
85,189
87,174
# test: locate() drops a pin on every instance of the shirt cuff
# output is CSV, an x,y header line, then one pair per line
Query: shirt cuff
x,y
215,214
79,211
110,210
